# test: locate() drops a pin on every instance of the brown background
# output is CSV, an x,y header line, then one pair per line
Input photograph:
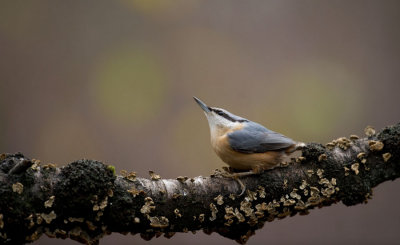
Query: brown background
x,y
114,80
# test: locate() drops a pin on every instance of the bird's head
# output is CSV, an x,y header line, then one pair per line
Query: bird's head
x,y
219,118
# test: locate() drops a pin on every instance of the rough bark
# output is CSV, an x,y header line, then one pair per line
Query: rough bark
x,y
86,200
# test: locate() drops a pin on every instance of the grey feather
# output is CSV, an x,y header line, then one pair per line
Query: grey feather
x,y
254,138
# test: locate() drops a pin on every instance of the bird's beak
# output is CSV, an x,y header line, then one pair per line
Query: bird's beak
x,y
202,105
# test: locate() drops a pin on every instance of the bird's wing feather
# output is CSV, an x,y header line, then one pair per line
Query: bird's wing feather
x,y
254,138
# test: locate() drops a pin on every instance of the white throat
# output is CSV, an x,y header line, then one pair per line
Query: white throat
x,y
219,125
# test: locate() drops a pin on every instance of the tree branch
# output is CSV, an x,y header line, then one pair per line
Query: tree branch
x,y
85,200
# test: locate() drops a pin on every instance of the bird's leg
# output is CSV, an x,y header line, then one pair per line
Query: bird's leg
x,y
236,176
240,174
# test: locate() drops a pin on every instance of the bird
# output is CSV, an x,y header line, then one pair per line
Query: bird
x,y
247,147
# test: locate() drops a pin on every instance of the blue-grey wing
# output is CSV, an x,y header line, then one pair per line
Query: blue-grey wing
x,y
254,138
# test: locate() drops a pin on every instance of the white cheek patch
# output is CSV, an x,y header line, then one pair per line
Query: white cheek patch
x,y
220,124
220,121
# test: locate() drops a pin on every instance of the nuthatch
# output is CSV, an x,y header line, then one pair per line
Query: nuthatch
x,y
245,145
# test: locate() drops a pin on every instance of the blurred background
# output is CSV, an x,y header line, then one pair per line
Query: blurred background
x,y
114,80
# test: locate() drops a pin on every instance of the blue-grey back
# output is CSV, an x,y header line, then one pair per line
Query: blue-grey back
x,y
255,138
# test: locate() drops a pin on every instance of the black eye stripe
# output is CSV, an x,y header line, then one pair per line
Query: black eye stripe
x,y
223,114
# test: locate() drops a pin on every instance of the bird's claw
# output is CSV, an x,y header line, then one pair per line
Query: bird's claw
x,y
235,176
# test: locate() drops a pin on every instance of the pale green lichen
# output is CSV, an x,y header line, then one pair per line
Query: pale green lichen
x,y
49,203
159,222
375,145
355,167
112,169
386,156
18,188
369,131
48,217
214,212
219,199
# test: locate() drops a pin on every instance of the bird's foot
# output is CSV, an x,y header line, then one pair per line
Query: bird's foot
x,y
236,176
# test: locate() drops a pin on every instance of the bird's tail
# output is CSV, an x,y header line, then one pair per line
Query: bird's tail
x,y
295,147
300,145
